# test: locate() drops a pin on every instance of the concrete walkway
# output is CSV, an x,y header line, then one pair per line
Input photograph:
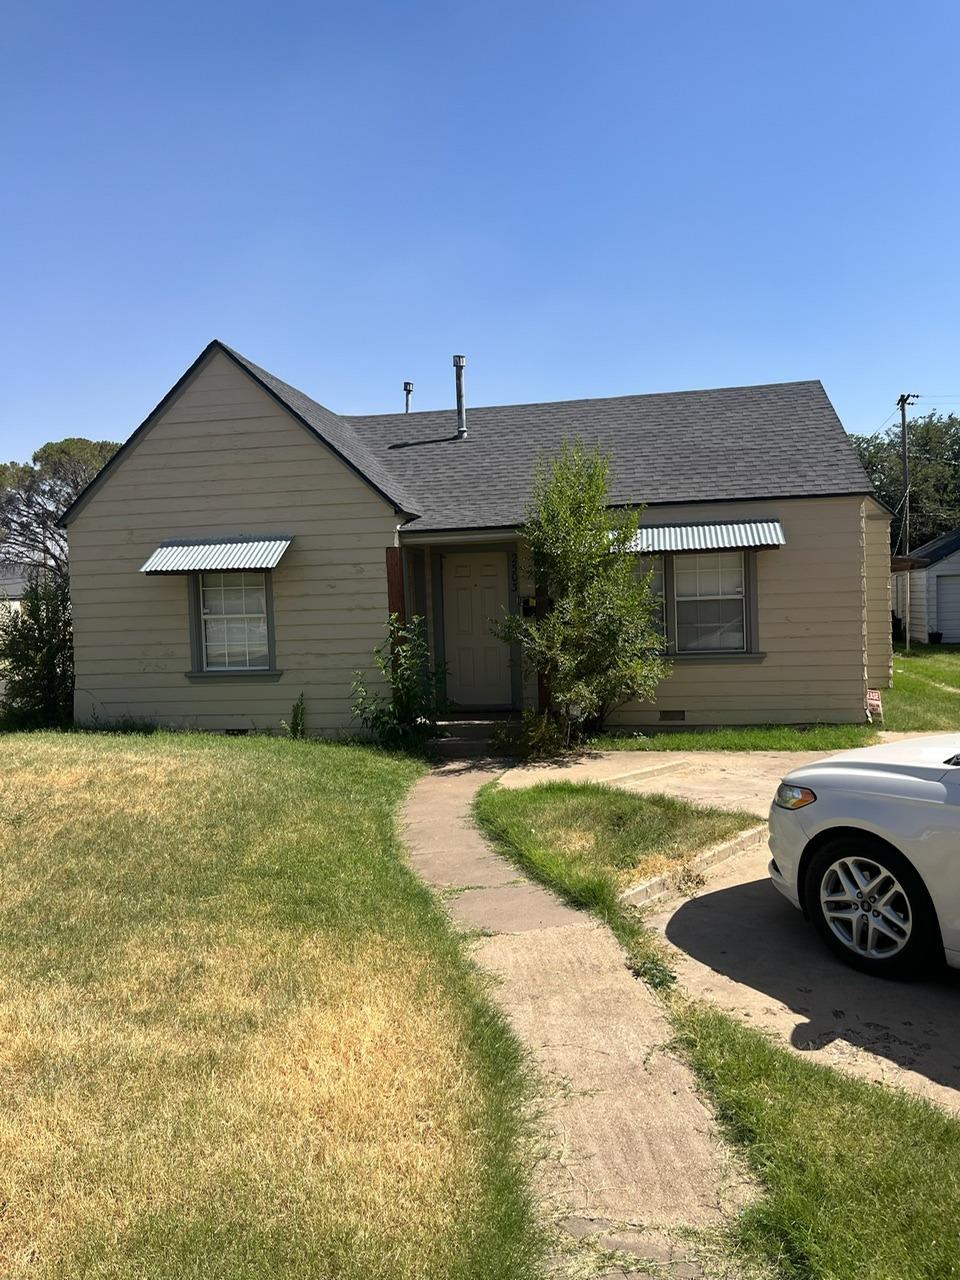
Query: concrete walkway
x,y
636,1153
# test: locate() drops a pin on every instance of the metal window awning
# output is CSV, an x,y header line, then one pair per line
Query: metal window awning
x,y
222,554
731,536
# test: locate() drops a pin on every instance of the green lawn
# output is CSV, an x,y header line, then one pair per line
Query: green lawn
x,y
926,689
860,1180
238,1039
761,737
603,832
857,1180
925,697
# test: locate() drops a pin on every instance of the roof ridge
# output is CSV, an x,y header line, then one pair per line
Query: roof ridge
x,y
584,400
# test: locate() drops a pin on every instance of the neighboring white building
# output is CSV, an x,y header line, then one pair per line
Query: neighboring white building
x,y
934,591
13,579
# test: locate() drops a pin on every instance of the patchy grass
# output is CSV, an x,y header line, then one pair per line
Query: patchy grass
x,y
599,829
761,737
861,1180
590,842
237,1037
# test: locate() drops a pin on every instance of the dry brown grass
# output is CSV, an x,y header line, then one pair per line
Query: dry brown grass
x,y
198,1079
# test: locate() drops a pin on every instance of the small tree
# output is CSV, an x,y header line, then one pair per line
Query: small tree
x,y
36,655
407,717
598,643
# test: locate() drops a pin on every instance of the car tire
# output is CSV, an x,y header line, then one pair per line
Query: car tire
x,y
910,944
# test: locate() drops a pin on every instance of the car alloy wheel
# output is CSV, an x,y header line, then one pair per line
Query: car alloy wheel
x,y
866,907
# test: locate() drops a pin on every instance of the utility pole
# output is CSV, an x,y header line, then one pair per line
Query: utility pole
x,y
903,400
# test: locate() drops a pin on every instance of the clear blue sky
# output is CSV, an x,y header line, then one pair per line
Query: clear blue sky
x,y
587,199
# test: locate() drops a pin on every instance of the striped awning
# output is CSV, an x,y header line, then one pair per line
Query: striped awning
x,y
733,536
222,554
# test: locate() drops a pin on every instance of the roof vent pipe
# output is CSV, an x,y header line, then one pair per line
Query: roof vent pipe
x,y
458,363
407,393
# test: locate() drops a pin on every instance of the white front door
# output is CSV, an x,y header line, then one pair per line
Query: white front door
x,y
475,596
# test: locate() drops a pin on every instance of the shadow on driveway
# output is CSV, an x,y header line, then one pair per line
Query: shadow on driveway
x,y
748,950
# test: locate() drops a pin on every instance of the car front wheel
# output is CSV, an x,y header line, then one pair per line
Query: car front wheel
x,y
871,907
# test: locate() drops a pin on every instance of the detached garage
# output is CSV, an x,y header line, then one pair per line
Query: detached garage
x,y
934,591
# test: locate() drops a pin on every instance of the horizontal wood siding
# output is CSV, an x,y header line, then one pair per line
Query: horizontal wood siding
x,y
877,570
811,595
224,459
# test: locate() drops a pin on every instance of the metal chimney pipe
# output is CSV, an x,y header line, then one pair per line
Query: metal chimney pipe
x,y
458,363
407,392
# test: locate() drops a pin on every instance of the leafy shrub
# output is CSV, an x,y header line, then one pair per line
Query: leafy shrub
x,y
36,655
406,718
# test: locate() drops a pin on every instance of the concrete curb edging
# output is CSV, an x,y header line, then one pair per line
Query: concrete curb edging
x,y
657,888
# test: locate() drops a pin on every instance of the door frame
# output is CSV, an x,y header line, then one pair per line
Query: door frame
x,y
512,552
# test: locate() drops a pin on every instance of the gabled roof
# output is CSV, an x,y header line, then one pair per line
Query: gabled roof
x,y
317,419
778,440
938,548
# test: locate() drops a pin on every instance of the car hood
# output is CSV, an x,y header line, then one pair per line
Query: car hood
x,y
917,757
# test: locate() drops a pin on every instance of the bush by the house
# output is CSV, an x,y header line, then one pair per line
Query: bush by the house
x,y
36,655
597,643
405,717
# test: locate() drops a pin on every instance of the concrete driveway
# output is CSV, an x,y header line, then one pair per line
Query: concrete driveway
x,y
739,945
727,779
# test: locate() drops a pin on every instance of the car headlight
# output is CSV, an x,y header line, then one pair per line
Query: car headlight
x,y
790,797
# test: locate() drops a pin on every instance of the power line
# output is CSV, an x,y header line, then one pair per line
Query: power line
x,y
877,430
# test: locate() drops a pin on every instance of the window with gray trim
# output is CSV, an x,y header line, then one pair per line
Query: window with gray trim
x,y
707,601
234,632
710,602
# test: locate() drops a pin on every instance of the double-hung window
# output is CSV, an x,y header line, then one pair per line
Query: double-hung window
x,y
710,602
233,622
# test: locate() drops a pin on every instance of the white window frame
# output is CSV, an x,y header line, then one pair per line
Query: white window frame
x,y
264,615
741,595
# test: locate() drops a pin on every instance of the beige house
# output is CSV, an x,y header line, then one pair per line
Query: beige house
x,y
246,544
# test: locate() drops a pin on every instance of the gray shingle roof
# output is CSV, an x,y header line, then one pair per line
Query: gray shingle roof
x,y
778,440
939,548
771,441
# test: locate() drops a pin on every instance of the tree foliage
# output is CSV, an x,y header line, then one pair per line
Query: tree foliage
x,y
35,494
36,655
597,644
934,474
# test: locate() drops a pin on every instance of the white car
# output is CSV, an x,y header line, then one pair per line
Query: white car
x,y
867,845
